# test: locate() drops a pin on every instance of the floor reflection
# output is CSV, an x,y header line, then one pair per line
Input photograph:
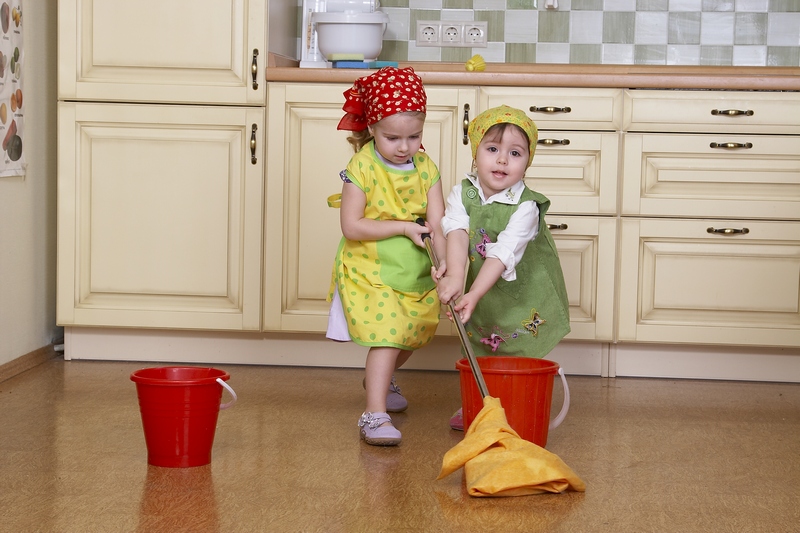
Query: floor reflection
x,y
178,499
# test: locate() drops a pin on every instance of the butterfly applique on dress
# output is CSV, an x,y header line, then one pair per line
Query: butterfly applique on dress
x,y
481,246
532,324
493,340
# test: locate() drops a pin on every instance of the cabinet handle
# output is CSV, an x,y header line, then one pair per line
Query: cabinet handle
x,y
253,158
733,112
557,226
731,145
466,124
550,142
254,68
550,109
729,231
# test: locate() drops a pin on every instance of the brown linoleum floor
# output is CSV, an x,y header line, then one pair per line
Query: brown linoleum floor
x,y
656,455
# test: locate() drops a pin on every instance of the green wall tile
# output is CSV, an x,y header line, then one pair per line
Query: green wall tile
x,y
650,54
520,4
520,53
618,27
586,53
553,27
716,55
496,21
652,5
750,28
394,51
587,5
456,55
784,6
394,3
457,4
783,56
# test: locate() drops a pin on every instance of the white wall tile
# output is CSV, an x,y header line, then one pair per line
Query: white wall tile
x,y
586,27
749,56
683,54
716,28
619,5
784,29
552,53
618,54
685,5
651,27
398,28
757,6
521,26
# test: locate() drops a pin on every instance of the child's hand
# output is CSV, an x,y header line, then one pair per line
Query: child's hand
x,y
415,231
449,289
438,273
466,305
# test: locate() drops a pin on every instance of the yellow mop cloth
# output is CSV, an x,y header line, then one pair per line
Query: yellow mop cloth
x,y
498,462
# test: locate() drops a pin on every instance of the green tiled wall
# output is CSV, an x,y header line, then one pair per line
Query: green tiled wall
x,y
654,32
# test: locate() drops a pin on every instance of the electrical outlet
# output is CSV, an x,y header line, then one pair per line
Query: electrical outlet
x,y
470,34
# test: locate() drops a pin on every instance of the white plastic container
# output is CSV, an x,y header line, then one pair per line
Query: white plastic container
x,y
350,33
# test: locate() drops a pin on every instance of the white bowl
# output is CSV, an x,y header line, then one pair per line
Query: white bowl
x,y
350,33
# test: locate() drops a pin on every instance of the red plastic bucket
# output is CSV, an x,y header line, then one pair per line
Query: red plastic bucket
x,y
524,387
179,407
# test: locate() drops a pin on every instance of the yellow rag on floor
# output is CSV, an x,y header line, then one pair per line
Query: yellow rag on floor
x,y
498,462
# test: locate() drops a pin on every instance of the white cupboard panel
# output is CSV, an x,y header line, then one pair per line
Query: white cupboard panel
x,y
681,283
712,111
586,248
560,108
683,175
159,216
181,51
577,171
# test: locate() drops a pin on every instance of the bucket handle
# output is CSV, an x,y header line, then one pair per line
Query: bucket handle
x,y
230,403
565,407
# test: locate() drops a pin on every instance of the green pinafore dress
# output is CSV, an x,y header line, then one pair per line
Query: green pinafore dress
x,y
527,316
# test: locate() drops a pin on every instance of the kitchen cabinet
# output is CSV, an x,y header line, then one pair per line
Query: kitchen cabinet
x,y
576,167
181,51
710,231
305,154
159,211
160,163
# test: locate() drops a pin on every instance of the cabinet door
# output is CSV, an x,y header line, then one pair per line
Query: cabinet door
x,y
159,216
587,248
183,51
682,282
305,154
577,171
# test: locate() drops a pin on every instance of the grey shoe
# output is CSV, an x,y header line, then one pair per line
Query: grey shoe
x,y
395,401
376,431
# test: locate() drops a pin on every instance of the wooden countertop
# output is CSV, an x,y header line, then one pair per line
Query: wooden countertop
x,y
552,75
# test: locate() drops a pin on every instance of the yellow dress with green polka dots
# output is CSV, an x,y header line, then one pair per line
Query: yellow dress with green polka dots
x,y
387,293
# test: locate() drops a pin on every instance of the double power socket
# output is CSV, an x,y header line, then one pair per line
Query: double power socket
x,y
470,34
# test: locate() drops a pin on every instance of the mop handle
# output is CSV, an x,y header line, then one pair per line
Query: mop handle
x,y
462,333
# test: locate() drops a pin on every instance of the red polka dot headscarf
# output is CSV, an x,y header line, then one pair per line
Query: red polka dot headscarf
x,y
381,94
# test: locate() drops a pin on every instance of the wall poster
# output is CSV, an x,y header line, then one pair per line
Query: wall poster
x,y
12,160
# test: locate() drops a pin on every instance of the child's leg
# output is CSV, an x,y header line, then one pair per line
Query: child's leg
x,y
381,363
402,357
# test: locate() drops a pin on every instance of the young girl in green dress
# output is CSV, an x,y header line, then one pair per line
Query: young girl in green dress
x,y
382,293
515,302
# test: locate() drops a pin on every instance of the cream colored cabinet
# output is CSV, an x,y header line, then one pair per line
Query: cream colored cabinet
x,y
577,155
159,216
180,51
576,167
711,219
305,154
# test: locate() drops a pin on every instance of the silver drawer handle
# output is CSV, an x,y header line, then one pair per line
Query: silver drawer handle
x,y
550,109
729,231
733,112
746,146
550,142
557,226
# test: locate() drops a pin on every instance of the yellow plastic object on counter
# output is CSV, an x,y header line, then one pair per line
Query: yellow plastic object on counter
x,y
476,64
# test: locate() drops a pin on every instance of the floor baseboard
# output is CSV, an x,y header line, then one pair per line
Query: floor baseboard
x,y
26,362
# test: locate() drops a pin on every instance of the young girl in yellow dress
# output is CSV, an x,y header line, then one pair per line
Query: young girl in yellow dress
x,y
382,293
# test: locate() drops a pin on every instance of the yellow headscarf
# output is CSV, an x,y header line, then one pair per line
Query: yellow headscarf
x,y
499,115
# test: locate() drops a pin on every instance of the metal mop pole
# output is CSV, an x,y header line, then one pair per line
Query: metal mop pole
x,y
462,333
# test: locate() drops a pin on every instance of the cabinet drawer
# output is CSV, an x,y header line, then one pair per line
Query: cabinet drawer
x,y
559,108
681,284
586,248
577,171
683,175
712,111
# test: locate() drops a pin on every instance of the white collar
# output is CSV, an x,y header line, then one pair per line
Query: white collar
x,y
509,196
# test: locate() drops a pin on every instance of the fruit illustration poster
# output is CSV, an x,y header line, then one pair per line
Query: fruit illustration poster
x,y
12,160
